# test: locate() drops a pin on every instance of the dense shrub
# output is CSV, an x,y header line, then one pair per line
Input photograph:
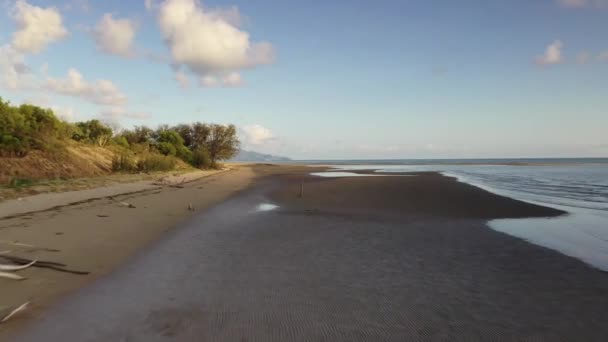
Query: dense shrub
x,y
124,162
93,132
120,141
183,153
156,162
201,158
26,128
166,149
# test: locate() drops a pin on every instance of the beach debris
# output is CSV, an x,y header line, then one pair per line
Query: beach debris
x,y
30,247
12,312
16,243
56,266
16,267
163,182
128,205
190,207
301,189
101,215
12,276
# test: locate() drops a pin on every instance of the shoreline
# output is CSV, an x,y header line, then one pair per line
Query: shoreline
x,y
446,225
360,258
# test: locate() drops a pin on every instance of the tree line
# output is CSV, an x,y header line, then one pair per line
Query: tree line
x,y
27,127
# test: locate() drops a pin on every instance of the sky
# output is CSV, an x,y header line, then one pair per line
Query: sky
x,y
323,79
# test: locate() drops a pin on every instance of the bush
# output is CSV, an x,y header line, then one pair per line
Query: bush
x,y
123,163
166,148
156,163
183,153
201,159
26,128
120,141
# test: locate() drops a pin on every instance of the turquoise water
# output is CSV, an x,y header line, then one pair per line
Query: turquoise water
x,y
577,186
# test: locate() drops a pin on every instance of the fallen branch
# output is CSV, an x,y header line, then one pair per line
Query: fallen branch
x,y
24,261
16,267
43,264
27,245
128,205
15,243
13,312
12,276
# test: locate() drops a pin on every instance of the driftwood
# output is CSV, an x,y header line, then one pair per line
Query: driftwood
x,y
15,243
16,267
12,276
24,261
5,315
43,264
128,205
27,245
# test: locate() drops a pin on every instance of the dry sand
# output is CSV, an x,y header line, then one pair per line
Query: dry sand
x,y
98,232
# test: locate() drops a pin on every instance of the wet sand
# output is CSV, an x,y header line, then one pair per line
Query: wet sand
x,y
354,259
96,234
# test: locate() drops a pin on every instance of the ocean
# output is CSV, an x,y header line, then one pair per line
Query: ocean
x,y
577,186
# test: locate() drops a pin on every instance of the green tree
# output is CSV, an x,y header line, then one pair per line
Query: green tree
x,y
222,142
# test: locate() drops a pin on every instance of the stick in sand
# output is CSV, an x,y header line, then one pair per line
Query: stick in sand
x,y
43,264
16,267
11,276
14,311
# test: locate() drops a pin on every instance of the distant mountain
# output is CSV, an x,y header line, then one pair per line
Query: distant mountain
x,y
251,156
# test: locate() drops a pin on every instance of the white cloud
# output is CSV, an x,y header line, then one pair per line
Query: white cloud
x,y
209,43
15,74
149,4
553,54
182,79
583,3
64,113
256,135
117,113
101,92
231,80
82,5
115,36
36,27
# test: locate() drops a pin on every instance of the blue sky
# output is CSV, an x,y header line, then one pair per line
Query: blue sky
x,y
326,79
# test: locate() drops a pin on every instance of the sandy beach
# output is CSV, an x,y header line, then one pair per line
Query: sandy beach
x,y
98,232
353,259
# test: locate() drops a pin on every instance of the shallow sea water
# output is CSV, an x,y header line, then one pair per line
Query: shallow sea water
x,y
579,188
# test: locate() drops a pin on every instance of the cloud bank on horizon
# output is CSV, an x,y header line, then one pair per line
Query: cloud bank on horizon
x,y
202,47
